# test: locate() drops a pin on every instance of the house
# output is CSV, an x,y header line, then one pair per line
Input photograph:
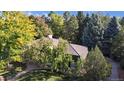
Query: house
x,y
74,49
78,51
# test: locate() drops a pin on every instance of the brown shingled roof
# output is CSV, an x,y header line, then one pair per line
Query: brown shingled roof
x,y
82,51
73,49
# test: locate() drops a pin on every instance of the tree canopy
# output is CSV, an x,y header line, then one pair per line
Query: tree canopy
x,y
16,30
24,39
56,23
93,32
42,28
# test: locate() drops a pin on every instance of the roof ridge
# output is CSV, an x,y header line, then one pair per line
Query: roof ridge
x,y
74,49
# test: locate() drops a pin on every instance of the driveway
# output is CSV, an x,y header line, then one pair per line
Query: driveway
x,y
114,76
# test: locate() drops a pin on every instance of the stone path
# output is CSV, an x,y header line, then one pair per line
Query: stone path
x,y
114,76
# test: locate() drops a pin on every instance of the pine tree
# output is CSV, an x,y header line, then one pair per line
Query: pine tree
x,y
122,22
112,29
110,33
117,48
66,16
93,32
96,66
81,23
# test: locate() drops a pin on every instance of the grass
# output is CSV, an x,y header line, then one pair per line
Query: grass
x,y
41,75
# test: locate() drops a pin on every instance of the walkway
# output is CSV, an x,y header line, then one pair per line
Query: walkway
x,y
114,76
30,67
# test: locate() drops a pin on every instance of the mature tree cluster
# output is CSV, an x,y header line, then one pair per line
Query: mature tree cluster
x,y
93,32
24,38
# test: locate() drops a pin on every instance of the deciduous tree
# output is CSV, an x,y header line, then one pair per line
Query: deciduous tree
x,y
16,30
71,29
57,24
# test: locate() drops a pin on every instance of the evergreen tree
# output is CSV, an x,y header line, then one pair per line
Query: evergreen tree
x,y
122,22
81,23
105,20
93,32
51,12
66,16
111,31
117,48
96,66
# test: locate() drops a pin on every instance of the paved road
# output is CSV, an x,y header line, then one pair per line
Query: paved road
x,y
114,76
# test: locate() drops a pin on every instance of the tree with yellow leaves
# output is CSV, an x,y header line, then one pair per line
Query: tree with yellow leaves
x,y
16,30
